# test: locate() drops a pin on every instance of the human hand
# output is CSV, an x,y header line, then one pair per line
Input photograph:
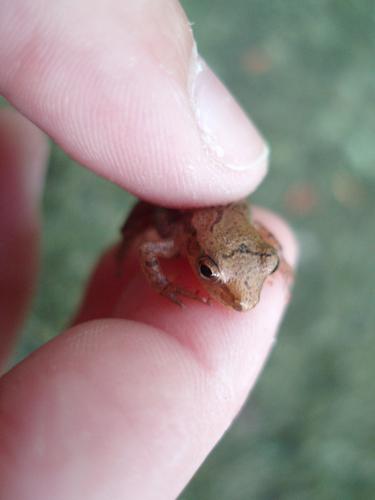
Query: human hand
x,y
128,405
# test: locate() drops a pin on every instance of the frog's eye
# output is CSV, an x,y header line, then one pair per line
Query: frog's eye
x,y
208,269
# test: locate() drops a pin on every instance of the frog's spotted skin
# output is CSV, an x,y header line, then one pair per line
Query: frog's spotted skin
x,y
229,254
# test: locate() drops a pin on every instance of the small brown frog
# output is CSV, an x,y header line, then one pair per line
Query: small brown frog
x,y
230,255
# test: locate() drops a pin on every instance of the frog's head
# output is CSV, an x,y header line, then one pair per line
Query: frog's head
x,y
238,287
229,255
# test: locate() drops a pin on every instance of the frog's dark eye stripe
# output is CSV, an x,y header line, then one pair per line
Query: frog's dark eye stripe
x,y
208,269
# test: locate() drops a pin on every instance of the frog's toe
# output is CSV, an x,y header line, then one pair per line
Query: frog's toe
x,y
172,292
173,298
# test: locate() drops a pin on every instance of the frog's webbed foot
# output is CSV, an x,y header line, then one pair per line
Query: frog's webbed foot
x,y
150,252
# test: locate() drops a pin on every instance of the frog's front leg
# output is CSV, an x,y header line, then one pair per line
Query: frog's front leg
x,y
150,252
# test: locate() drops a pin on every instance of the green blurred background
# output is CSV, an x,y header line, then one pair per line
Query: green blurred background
x,y
305,71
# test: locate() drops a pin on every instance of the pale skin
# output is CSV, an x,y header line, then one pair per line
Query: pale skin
x,y
108,402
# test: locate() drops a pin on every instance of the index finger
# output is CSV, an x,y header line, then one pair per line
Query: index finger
x,y
111,402
120,87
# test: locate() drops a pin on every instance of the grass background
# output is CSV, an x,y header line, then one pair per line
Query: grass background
x,y
305,71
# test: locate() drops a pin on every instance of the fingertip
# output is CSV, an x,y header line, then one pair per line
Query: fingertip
x,y
103,398
135,104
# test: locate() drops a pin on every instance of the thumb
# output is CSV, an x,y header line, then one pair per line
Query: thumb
x,y
120,86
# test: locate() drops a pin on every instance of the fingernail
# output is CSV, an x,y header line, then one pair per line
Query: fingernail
x,y
226,130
